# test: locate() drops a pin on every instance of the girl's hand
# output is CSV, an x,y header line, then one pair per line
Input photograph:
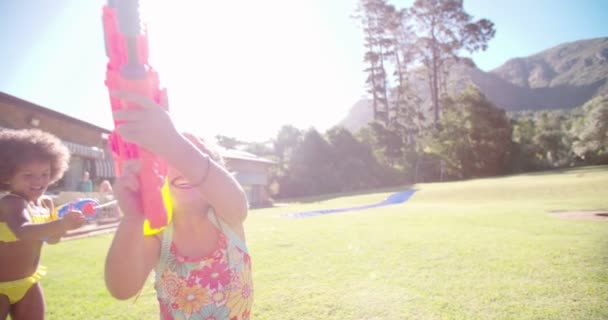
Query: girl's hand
x,y
149,126
126,190
73,220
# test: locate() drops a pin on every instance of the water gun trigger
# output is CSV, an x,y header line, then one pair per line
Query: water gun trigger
x,y
88,207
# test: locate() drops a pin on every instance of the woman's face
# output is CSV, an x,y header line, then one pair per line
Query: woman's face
x,y
183,191
186,192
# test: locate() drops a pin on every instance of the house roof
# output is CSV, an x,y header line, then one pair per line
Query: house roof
x,y
20,102
226,153
242,155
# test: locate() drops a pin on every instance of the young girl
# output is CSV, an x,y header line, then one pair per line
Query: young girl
x,y
201,263
30,161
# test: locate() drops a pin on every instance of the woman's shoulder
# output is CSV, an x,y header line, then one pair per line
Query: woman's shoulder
x,y
234,234
11,203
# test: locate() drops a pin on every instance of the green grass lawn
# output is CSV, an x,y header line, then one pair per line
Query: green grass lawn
x,y
479,249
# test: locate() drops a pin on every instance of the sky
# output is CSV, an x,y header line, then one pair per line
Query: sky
x,y
244,68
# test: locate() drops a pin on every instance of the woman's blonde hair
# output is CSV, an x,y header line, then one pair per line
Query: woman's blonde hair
x,y
205,147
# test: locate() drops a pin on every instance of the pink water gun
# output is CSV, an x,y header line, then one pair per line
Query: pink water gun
x,y
128,70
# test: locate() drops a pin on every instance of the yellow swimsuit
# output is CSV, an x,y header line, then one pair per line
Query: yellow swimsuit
x,y
6,234
15,290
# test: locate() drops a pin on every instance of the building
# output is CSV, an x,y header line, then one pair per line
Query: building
x,y
90,151
252,172
87,143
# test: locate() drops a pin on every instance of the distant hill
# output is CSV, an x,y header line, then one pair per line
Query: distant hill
x,y
563,77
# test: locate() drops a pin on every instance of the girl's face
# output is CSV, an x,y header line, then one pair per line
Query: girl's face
x,y
183,191
31,179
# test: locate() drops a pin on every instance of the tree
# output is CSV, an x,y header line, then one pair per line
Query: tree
x,y
552,139
288,138
262,149
386,147
354,164
474,136
525,152
592,138
444,29
310,168
372,16
227,142
406,118
388,143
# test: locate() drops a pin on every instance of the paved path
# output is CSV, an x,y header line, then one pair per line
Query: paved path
x,y
395,198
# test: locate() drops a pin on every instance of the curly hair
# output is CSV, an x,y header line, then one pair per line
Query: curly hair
x,y
205,147
22,146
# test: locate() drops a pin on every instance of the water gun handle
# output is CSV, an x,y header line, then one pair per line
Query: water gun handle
x,y
128,70
88,207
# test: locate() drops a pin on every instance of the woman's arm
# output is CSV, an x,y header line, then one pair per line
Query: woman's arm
x,y
48,202
132,255
16,217
217,185
131,258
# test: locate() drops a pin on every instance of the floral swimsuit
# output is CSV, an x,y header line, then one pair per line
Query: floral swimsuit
x,y
217,286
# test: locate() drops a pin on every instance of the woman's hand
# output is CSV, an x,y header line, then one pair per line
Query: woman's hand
x,y
73,220
126,190
148,126
132,255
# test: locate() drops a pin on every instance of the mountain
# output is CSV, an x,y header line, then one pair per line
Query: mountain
x,y
563,77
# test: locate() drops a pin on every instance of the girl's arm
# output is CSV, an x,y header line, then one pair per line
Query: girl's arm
x,y
51,207
131,258
216,184
16,217
132,255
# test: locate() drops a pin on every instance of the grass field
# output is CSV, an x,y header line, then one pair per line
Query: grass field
x,y
479,249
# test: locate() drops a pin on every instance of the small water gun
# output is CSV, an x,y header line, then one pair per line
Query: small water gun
x,y
87,206
128,70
